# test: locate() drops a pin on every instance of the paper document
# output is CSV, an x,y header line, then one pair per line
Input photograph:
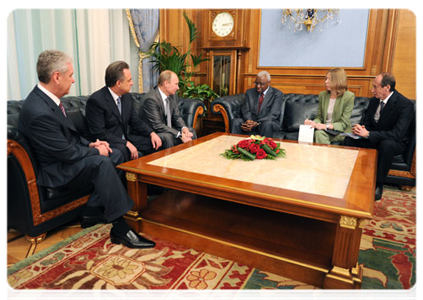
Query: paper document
x,y
306,134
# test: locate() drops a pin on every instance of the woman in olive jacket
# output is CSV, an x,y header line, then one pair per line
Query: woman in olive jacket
x,y
334,110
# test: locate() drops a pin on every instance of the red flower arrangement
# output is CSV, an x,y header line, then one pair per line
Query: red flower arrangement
x,y
256,147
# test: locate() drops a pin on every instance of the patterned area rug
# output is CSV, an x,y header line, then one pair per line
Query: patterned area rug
x,y
88,260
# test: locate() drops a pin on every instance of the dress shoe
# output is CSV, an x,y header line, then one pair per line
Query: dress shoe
x,y
88,221
378,192
131,240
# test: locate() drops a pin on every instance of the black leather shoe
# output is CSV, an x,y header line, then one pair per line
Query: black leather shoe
x,y
88,221
378,192
131,240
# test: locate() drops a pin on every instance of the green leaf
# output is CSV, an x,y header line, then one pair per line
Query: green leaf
x,y
192,29
247,154
268,150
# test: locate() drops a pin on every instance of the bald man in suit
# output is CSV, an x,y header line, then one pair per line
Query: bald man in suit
x,y
161,109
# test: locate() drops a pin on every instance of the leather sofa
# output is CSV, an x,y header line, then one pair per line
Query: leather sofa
x,y
34,210
295,108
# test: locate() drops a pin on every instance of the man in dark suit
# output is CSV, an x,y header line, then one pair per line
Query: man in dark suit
x,y
260,110
110,113
162,111
67,159
385,125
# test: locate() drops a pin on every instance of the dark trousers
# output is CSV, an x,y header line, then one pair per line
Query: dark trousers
x,y
386,150
142,143
109,192
264,129
169,140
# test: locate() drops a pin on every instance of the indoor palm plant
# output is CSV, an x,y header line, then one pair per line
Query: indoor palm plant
x,y
165,56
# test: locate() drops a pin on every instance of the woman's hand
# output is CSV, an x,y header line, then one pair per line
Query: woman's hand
x,y
309,122
320,126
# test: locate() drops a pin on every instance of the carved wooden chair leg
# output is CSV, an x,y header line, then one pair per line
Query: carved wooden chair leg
x,y
34,243
406,188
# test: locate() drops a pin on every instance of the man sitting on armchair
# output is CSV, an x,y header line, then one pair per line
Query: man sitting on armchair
x,y
260,110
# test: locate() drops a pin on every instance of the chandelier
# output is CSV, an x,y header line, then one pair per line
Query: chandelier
x,y
309,18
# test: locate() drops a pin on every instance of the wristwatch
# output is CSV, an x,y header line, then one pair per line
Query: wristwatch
x,y
327,127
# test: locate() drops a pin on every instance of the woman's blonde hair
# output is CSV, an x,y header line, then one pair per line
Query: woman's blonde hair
x,y
338,81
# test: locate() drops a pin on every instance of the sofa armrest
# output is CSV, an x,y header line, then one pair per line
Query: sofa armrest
x,y
229,107
18,152
22,179
190,110
403,168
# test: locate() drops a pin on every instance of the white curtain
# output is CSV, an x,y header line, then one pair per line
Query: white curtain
x,y
93,37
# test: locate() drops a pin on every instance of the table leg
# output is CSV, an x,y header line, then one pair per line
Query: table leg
x,y
345,272
138,192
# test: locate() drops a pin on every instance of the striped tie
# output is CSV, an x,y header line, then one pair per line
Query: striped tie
x,y
119,105
62,108
260,101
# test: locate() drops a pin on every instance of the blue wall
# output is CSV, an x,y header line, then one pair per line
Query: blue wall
x,y
340,44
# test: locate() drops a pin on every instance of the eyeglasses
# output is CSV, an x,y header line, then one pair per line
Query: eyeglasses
x,y
260,83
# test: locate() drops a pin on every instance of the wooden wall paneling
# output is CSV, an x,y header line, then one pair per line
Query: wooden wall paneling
x,y
174,30
388,55
390,46
404,53
310,80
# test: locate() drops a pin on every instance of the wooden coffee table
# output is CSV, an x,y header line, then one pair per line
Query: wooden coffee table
x,y
300,217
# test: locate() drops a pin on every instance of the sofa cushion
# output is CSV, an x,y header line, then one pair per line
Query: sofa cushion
x,y
299,107
56,197
359,110
232,105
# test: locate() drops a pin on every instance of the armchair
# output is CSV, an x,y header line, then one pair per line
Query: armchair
x,y
34,210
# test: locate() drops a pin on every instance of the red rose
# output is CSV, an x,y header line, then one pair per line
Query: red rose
x,y
270,143
261,154
254,148
244,144
234,149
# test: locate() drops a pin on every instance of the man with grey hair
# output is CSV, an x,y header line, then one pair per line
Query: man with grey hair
x,y
261,109
68,160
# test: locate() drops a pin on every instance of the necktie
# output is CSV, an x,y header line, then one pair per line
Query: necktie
x,y
382,105
260,101
62,108
119,105
379,111
167,112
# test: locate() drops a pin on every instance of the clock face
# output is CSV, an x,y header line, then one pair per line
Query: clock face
x,y
223,24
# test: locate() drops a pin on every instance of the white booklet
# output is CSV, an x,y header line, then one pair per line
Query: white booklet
x,y
306,134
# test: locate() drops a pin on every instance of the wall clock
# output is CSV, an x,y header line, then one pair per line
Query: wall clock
x,y
223,24
224,43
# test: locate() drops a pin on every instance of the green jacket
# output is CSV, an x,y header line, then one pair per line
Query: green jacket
x,y
341,112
